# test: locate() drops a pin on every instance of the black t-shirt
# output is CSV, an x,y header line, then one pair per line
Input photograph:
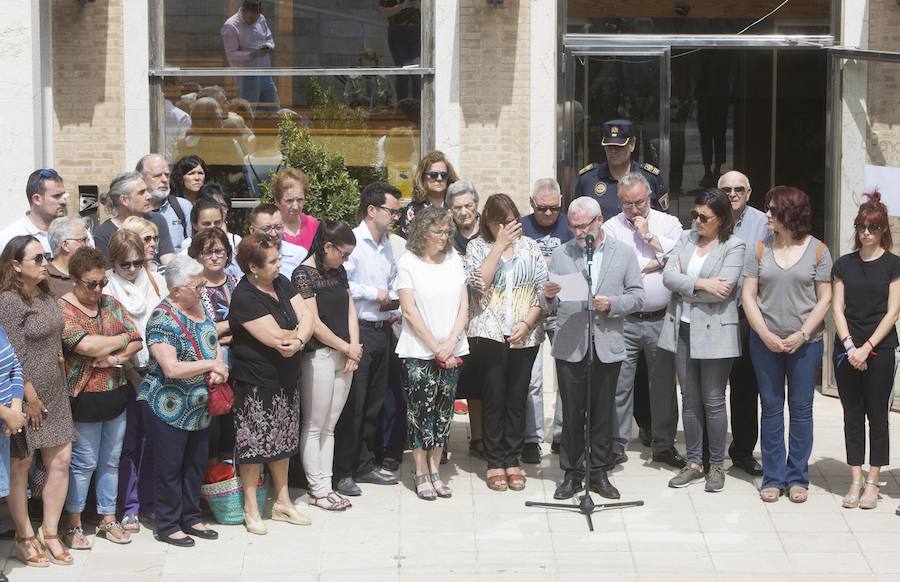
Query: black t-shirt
x,y
252,361
866,288
99,406
329,287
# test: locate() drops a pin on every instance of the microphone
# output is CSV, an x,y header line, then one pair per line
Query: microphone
x,y
589,246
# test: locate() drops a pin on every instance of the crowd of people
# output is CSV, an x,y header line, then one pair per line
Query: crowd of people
x,y
333,339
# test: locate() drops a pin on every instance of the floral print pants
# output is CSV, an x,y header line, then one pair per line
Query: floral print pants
x,y
430,391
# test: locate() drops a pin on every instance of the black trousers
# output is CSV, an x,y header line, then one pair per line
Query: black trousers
x,y
392,422
744,399
356,430
867,395
177,473
641,395
572,380
506,373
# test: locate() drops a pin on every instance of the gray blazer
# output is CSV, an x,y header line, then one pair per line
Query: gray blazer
x,y
714,322
620,280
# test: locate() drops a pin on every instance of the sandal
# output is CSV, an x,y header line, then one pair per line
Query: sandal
x,y
64,558
332,502
770,494
75,539
113,531
867,501
516,480
38,560
852,501
798,494
441,490
426,493
497,482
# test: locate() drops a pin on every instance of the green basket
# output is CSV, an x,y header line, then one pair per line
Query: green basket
x,y
226,500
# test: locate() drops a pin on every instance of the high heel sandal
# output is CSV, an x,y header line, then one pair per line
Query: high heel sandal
x,y
254,526
870,501
442,490
38,560
426,493
852,501
64,559
289,514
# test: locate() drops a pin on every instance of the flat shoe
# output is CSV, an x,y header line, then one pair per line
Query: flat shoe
x,y
497,482
203,534
515,481
289,514
185,542
770,494
798,494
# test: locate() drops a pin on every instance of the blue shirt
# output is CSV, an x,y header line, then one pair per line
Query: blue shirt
x,y
11,382
176,227
752,227
371,267
547,238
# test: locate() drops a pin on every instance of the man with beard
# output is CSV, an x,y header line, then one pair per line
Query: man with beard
x,y
155,171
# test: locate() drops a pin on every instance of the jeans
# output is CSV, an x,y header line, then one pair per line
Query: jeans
x,y
783,470
4,462
96,449
260,92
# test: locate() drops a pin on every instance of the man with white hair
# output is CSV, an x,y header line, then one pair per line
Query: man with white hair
x,y
615,291
154,169
66,235
549,227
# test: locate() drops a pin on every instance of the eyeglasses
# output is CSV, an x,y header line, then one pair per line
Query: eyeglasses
x,y
91,285
344,255
736,189
392,211
270,227
872,228
197,288
585,226
437,175
213,253
83,240
547,208
444,232
772,208
151,237
638,204
127,265
41,258
701,217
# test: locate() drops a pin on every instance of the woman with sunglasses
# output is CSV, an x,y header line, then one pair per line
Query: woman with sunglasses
x,y
98,339
330,358
149,236
434,175
138,291
865,307
34,324
701,329
787,292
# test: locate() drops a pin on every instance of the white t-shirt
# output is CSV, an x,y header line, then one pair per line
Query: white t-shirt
x,y
693,270
438,289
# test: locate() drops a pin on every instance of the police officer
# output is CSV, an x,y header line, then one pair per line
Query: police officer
x,y
602,180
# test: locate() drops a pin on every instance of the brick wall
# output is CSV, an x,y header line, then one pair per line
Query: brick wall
x,y
494,95
89,140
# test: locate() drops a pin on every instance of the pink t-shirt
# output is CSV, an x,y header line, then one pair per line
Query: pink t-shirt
x,y
308,227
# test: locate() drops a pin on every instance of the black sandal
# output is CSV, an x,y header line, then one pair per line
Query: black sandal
x,y
334,502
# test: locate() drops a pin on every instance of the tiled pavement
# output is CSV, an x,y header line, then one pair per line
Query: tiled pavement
x,y
685,534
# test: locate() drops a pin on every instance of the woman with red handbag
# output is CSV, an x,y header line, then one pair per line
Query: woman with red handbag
x,y
185,361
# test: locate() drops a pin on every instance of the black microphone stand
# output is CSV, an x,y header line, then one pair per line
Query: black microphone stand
x,y
587,506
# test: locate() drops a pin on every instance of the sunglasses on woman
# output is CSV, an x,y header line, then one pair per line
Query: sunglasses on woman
x,y
701,217
41,258
91,285
437,175
128,265
872,228
151,237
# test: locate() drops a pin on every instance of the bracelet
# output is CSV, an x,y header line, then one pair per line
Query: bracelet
x,y
844,341
125,342
848,340
526,325
871,346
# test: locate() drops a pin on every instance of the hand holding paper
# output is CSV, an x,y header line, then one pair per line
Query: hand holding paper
x,y
573,286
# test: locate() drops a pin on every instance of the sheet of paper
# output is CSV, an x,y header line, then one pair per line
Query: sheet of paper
x,y
573,286
885,179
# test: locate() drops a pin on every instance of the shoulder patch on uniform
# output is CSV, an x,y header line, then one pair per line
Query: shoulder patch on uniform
x,y
663,201
650,168
587,168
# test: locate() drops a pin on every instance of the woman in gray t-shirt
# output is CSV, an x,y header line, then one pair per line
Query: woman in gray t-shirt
x,y
786,295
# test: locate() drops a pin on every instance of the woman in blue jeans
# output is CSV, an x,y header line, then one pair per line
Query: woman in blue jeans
x,y
12,419
787,292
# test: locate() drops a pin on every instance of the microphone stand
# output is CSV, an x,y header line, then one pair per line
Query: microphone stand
x,y
587,506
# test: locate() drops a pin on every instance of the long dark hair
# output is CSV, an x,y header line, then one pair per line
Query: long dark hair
x,y
182,167
330,231
10,280
718,202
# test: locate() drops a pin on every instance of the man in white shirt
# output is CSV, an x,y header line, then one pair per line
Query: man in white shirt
x,y
266,219
652,234
248,42
155,171
372,273
47,196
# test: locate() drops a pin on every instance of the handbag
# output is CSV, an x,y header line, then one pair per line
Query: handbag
x,y
221,396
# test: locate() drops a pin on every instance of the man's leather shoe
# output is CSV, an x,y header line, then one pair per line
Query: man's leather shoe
x,y
568,488
670,457
749,465
620,458
390,464
375,478
185,542
347,486
600,484
531,453
203,534
644,435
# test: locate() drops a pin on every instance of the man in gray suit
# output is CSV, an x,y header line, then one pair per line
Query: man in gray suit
x,y
616,290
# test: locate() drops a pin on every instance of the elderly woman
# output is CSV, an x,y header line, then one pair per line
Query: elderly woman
x,y
34,324
98,338
866,304
188,176
138,291
331,357
431,281
787,293
270,323
289,187
701,329
434,175
181,336
504,271
66,235
149,234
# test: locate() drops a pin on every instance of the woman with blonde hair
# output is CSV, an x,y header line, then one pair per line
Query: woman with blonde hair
x,y
149,234
434,174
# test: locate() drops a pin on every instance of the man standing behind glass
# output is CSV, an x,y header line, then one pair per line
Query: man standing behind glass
x,y
550,229
249,43
652,234
750,225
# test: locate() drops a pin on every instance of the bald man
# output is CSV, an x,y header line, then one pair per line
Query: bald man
x,y
750,225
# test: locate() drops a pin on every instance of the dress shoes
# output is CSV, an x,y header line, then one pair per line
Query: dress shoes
x,y
347,486
375,478
748,465
531,453
600,484
670,457
620,458
203,534
568,488
390,464
185,542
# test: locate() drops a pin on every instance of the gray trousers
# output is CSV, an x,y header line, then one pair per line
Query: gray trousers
x,y
534,417
643,335
703,398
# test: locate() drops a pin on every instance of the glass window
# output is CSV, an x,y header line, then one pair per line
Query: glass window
x,y
292,34
231,123
697,17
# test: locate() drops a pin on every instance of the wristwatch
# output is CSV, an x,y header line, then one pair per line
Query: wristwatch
x,y
648,237
805,335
